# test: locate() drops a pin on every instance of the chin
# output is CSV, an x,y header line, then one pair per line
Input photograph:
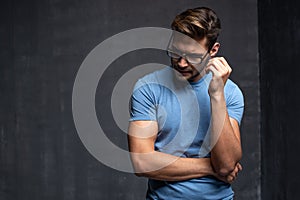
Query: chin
x,y
179,77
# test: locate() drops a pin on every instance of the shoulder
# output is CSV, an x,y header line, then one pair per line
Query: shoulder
x,y
231,87
233,91
156,78
234,100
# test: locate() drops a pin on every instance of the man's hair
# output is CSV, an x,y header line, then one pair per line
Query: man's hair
x,y
198,23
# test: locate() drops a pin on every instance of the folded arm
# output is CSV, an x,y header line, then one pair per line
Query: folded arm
x,y
225,133
157,165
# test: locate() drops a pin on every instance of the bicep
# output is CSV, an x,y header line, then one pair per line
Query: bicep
x,y
142,136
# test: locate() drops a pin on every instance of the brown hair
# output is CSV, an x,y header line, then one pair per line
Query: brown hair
x,y
198,23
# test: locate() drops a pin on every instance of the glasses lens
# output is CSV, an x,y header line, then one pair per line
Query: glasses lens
x,y
193,60
173,55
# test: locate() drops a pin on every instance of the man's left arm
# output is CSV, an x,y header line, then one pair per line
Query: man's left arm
x,y
225,133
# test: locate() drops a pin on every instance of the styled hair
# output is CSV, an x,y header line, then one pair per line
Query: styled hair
x,y
198,23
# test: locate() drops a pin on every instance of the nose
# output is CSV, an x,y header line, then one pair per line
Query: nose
x,y
182,62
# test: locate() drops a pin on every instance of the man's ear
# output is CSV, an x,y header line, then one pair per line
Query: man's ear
x,y
214,50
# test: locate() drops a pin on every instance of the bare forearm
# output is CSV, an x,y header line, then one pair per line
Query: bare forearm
x,y
161,166
226,151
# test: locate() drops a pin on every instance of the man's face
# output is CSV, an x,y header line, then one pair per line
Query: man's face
x,y
188,57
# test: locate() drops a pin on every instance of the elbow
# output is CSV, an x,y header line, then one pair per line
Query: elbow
x,y
138,174
141,168
138,168
142,173
228,164
227,167
224,171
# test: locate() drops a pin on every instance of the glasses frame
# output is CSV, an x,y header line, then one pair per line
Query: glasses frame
x,y
170,51
181,55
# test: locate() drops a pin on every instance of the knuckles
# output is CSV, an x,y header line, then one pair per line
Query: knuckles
x,y
220,68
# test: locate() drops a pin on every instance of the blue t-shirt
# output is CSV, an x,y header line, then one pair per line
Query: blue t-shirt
x,y
182,111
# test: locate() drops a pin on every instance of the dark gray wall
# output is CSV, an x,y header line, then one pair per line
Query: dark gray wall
x,y
279,36
43,43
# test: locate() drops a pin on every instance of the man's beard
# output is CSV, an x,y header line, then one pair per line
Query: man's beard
x,y
180,77
182,81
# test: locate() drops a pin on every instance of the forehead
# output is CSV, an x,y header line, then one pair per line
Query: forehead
x,y
188,44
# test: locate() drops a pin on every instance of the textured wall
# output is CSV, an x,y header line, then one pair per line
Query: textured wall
x,y
279,36
43,43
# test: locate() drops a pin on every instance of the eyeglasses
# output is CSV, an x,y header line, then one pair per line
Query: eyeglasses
x,y
192,58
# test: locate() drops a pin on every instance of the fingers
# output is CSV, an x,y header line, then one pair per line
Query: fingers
x,y
240,167
236,170
228,69
219,67
233,175
230,178
214,70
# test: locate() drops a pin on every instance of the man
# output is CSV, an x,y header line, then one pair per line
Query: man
x,y
184,126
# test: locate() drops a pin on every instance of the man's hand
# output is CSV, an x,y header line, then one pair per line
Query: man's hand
x,y
221,72
230,178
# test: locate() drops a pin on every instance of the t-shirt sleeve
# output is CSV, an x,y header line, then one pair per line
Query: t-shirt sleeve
x,y
235,104
142,105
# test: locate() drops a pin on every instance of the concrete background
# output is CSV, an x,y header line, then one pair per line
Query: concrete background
x,y
44,42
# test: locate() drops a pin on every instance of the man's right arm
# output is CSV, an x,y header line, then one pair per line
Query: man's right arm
x,y
161,166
